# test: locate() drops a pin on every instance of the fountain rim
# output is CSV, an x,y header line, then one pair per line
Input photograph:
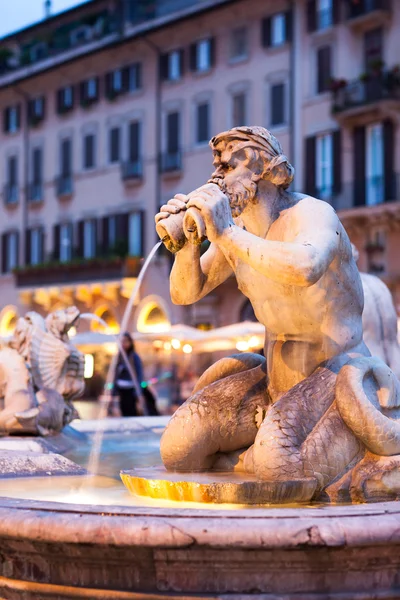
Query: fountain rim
x,y
350,525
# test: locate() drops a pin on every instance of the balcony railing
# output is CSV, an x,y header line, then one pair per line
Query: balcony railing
x,y
365,90
11,193
358,8
368,192
171,161
64,185
131,169
96,269
35,192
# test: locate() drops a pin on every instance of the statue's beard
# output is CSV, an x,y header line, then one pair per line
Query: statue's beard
x,y
240,193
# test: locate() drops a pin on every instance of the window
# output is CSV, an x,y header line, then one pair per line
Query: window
x,y
80,35
239,111
35,246
10,251
134,142
112,231
172,155
277,104
65,249
114,144
201,58
89,91
171,65
11,188
65,168
276,30
66,157
324,166
374,164
239,43
134,77
324,14
36,110
38,51
65,99
117,80
35,194
136,234
89,145
89,239
12,119
373,49
202,122
324,69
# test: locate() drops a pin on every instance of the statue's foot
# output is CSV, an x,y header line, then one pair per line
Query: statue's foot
x,y
373,479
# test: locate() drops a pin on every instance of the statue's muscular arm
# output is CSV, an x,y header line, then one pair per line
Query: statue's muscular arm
x,y
301,261
194,276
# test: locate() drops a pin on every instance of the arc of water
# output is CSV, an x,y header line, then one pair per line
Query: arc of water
x,y
98,437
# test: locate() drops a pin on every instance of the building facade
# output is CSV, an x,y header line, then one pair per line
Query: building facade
x,y
107,112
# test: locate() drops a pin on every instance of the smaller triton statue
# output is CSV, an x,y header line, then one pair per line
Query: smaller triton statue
x,y
318,406
41,372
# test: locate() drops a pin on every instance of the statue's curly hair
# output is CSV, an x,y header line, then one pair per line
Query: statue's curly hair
x,y
277,168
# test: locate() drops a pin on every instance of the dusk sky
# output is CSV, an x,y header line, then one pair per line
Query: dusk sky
x,y
15,14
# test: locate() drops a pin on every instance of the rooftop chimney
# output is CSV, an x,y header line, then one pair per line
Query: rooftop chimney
x,y
47,9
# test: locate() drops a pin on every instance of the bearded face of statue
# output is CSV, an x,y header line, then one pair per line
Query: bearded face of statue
x,y
234,175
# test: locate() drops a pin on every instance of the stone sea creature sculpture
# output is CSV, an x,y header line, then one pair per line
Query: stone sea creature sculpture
x,y
41,372
319,406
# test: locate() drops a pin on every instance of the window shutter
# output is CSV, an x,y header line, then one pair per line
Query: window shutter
x,y
388,159
82,92
181,62
323,69
336,11
122,227
37,165
28,237
43,107
41,245
56,242
30,111
310,151
266,32
79,249
173,132
359,165
17,253
18,108
114,144
193,57
164,66
4,253
337,162
105,235
212,52
142,230
108,83
289,25
97,95
139,76
311,15
134,141
203,122
278,104
66,156
125,79
72,96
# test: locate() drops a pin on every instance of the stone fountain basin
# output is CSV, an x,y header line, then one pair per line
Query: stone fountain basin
x,y
97,541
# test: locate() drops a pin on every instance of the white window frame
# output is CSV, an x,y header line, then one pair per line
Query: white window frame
x,y
65,243
374,167
89,239
35,246
12,251
278,29
324,165
239,57
135,234
174,66
203,55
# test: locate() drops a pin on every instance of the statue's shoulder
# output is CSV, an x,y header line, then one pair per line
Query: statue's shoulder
x,y
311,209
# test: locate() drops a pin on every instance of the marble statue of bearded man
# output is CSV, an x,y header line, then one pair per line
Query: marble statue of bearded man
x,y
293,259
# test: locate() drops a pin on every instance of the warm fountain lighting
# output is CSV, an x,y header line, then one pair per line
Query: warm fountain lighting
x,y
167,346
242,346
175,344
187,349
72,332
157,344
89,366
255,342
